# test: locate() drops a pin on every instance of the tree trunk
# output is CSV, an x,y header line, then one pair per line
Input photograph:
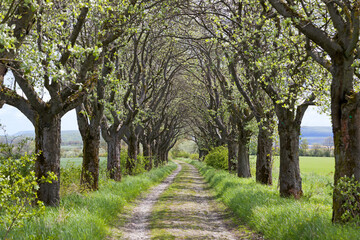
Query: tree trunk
x,y
232,154
90,166
290,180
47,141
243,164
166,156
162,157
90,134
345,112
202,154
113,159
155,153
132,153
147,155
264,156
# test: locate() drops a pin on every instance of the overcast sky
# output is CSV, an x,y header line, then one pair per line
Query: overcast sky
x,y
15,121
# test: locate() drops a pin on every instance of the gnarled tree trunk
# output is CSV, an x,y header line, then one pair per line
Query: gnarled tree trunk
x,y
90,165
90,134
233,150
132,152
264,155
113,159
345,112
47,145
243,164
147,154
290,180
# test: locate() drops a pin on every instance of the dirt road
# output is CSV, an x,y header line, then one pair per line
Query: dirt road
x,y
182,207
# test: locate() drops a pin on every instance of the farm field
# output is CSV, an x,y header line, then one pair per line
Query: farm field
x,y
319,165
316,165
75,161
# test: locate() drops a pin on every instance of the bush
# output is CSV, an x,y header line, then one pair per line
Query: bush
x,y
348,189
218,158
18,187
194,156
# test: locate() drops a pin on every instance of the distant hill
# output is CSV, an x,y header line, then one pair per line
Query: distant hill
x,y
316,135
68,137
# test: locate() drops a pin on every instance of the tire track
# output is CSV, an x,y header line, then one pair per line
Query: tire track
x,y
138,225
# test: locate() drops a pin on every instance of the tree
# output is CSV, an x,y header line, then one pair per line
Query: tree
x,y
267,55
91,111
55,71
332,32
224,23
89,115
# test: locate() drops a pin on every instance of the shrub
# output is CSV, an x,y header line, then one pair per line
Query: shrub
x,y
218,158
348,188
18,187
194,156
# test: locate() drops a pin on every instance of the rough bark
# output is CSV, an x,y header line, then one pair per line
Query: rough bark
x,y
264,156
47,145
232,154
243,163
132,153
289,176
90,165
147,155
345,112
155,152
113,159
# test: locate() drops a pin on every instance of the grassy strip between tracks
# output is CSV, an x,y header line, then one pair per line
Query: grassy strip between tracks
x,y
91,215
265,211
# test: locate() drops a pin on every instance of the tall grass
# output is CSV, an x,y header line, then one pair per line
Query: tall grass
x,y
89,216
265,211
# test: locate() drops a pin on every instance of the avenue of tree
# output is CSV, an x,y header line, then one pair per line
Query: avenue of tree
x,y
149,72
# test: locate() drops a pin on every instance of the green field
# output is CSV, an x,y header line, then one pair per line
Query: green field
x,y
317,165
76,161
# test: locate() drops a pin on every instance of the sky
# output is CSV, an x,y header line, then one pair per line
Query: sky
x,y
14,121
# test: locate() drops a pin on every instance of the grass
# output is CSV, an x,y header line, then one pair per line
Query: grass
x,y
75,161
265,211
90,216
319,165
